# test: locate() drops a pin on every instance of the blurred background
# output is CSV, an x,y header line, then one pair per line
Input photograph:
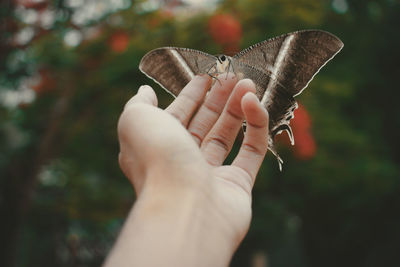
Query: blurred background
x,y
67,67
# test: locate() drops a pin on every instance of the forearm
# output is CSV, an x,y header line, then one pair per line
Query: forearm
x,y
172,229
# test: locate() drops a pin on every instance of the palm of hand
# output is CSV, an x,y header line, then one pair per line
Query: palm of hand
x,y
190,146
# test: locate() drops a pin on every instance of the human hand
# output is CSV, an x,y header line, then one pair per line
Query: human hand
x,y
174,159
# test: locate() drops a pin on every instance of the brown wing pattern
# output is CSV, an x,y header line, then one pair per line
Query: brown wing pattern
x,y
199,62
283,104
288,63
293,58
174,67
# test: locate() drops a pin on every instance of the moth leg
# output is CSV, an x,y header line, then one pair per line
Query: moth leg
x,y
215,78
209,73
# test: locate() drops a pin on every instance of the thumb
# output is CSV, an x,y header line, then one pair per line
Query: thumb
x,y
145,95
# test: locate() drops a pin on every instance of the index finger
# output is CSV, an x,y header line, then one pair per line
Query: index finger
x,y
189,99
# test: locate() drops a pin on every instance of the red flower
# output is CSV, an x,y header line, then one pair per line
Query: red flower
x,y
119,42
231,49
225,29
305,147
35,4
301,120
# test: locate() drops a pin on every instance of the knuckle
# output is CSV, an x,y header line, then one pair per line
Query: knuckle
x,y
192,100
196,137
220,142
180,114
262,125
234,115
213,108
180,110
254,149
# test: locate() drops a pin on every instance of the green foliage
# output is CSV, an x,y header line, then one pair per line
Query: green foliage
x,y
59,172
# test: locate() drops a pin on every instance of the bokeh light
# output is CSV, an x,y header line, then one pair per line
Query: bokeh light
x,y
68,67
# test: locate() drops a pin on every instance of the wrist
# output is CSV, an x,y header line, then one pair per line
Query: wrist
x,y
186,219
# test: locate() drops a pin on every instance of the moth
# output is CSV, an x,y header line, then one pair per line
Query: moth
x,y
281,68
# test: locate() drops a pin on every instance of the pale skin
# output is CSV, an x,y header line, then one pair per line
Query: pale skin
x,y
191,210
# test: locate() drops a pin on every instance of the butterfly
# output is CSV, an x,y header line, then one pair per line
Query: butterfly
x,y
281,68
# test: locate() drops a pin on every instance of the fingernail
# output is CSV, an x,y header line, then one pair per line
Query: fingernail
x,y
249,81
254,96
251,94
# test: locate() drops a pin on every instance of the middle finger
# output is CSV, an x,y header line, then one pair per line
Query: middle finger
x,y
212,107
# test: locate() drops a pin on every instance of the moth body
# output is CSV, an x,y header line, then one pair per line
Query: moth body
x,y
223,64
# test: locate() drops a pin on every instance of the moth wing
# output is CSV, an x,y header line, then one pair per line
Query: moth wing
x,y
292,59
283,104
173,67
283,67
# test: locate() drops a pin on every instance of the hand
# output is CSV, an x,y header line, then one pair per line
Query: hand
x,y
186,198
